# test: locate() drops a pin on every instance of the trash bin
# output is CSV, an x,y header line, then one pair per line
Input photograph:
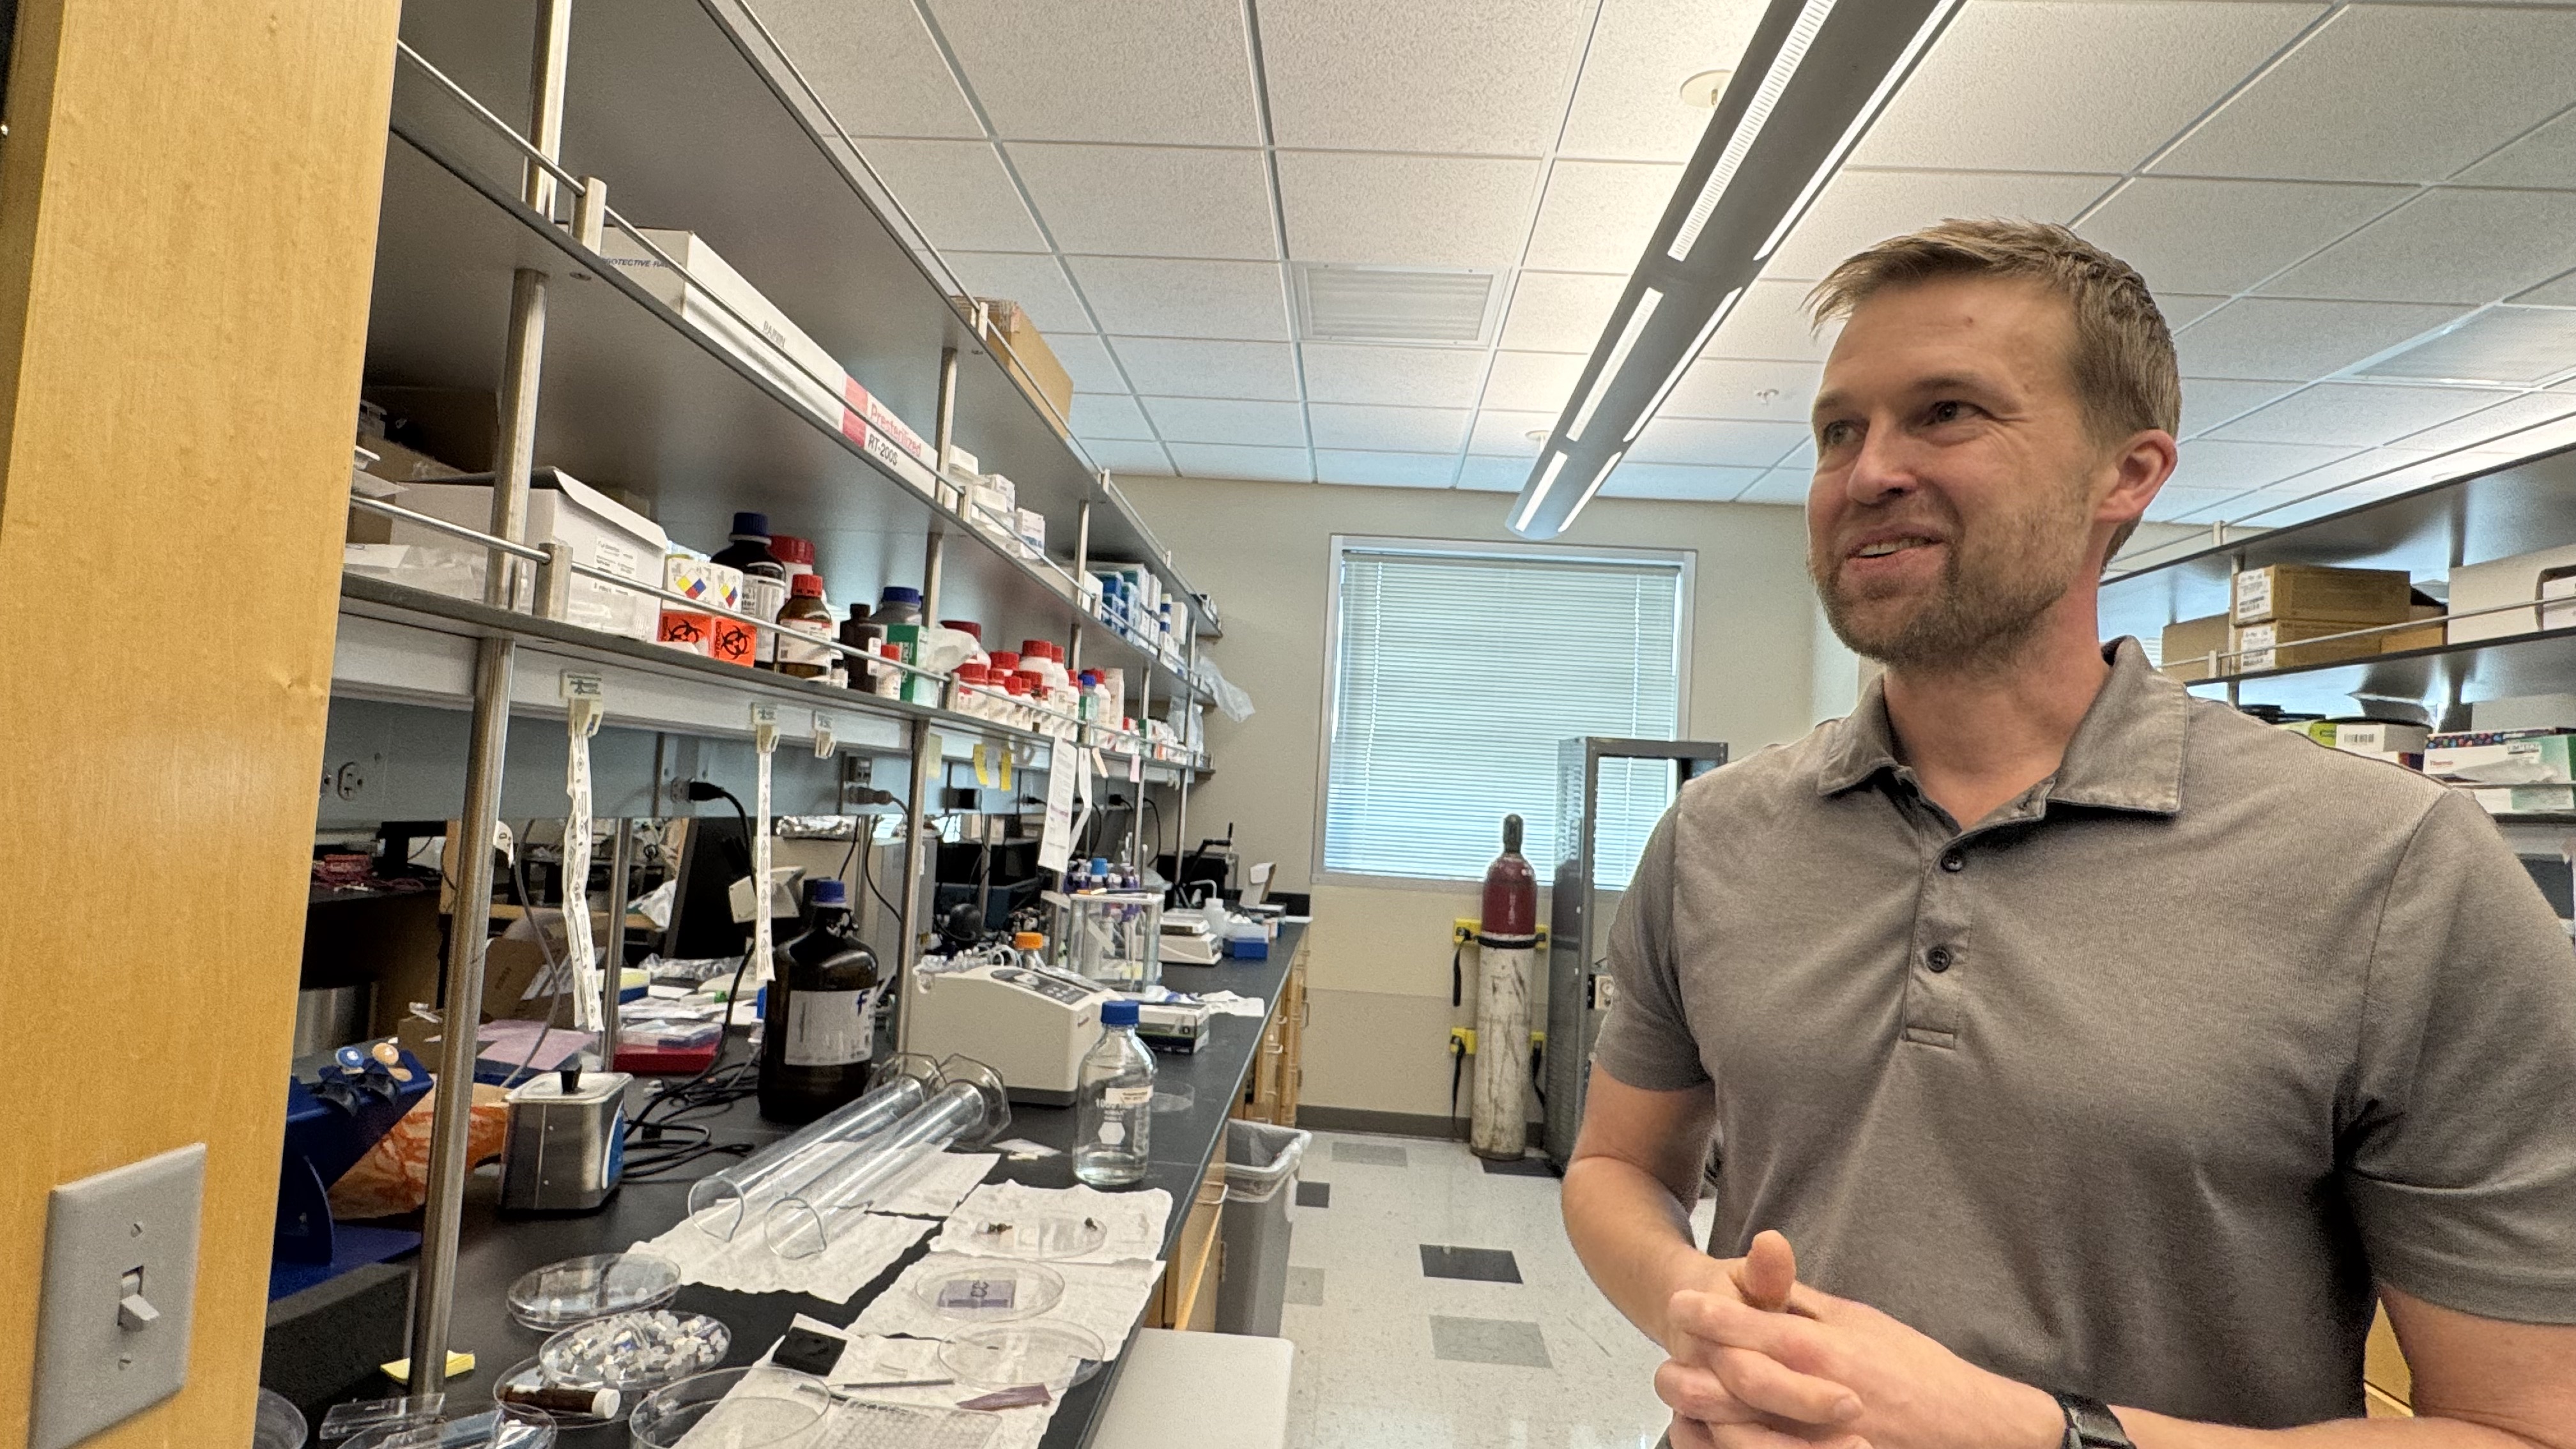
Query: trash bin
x,y
1260,1164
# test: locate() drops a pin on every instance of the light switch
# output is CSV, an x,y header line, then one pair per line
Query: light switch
x,y
120,1284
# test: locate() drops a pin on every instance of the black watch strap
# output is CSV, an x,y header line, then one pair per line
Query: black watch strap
x,y
2090,1424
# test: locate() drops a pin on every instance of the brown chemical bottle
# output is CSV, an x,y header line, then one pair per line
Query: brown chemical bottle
x,y
805,613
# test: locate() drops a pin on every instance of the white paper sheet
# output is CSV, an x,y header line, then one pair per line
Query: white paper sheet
x,y
938,1186
1135,1220
1226,1003
863,1246
885,1360
1106,1298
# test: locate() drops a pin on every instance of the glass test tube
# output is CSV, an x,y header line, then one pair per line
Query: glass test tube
x,y
800,1224
720,1203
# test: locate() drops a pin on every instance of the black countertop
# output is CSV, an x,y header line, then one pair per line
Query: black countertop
x,y
494,1250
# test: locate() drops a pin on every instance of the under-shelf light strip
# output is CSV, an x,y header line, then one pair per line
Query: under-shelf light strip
x,y
1775,81
1617,359
1852,133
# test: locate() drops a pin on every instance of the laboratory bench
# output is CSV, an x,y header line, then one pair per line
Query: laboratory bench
x,y
494,1249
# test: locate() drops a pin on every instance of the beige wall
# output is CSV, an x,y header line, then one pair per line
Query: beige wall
x,y
1379,975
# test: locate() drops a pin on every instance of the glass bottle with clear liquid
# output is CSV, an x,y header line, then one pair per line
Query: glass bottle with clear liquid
x,y
1114,1103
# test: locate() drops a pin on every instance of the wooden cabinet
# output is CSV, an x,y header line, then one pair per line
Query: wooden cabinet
x,y
1270,1093
2386,1383
1186,1298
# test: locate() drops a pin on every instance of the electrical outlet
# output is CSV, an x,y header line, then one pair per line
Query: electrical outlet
x,y
120,1288
1463,1036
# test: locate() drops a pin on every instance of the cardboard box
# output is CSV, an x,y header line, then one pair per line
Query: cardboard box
x,y
2522,578
1025,354
2281,645
2532,760
601,532
2429,636
2381,738
2309,593
2189,643
883,448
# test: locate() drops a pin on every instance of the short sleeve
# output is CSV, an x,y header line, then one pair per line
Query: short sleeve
x,y
2459,1152
1646,1041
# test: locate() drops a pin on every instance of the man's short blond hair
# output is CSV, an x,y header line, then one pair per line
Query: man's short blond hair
x,y
2122,358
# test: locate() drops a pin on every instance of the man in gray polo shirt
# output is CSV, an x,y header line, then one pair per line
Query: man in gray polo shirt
x,y
2103,1053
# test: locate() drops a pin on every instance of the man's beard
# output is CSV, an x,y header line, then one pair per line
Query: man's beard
x,y
1996,586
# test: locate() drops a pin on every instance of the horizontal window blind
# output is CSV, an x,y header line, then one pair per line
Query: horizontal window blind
x,y
1457,676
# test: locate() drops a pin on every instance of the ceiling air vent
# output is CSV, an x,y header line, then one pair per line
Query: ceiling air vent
x,y
1435,305
2512,346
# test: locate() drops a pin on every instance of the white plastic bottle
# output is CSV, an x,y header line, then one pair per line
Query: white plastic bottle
x,y
1114,1103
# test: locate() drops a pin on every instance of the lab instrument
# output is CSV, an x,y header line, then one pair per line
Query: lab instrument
x,y
1029,1024
567,1145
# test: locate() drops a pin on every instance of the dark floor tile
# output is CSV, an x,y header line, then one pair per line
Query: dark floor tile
x,y
1478,1265
1488,1340
1518,1167
1315,1194
1371,1154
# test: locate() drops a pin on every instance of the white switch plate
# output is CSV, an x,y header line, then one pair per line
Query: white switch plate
x,y
91,1369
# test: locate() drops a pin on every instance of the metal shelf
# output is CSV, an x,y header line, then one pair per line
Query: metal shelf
x,y
2506,511
688,115
2541,663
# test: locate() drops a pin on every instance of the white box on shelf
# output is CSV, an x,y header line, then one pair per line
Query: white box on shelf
x,y
2514,580
2381,738
600,531
773,345
903,465
1031,528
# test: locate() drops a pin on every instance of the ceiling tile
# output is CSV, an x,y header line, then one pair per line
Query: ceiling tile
x,y
1190,367
2449,245
2207,464
1363,75
1218,460
2391,93
2495,424
2265,337
2177,505
2546,157
1502,432
1215,420
2208,402
2060,86
2182,309
957,193
1388,429
2560,292
1151,201
1174,71
1086,360
1532,381
1694,440
874,65
1861,207
1780,485
1722,387
1427,211
1629,105
1560,311
1598,215
1428,377
1494,475
1771,324
1108,415
1679,482
1385,470
1236,300
2225,236
1036,283
2356,415
1124,457
2352,475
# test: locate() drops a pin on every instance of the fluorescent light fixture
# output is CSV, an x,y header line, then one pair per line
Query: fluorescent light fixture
x,y
1895,77
1682,368
1811,18
1594,486
1538,494
1617,359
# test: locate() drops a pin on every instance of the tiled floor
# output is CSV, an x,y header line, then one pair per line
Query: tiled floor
x,y
1391,1357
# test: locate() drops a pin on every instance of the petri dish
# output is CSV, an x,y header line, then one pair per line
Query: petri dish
x,y
1040,1236
737,1408
278,1425
502,1426
986,1290
1005,1355
529,1375
635,1353
575,1290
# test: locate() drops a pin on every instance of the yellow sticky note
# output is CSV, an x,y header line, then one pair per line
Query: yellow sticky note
x,y
984,768
459,1364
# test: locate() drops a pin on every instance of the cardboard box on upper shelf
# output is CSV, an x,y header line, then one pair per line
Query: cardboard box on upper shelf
x,y
2311,593
2284,644
2431,635
601,532
1028,359
2546,574
2188,643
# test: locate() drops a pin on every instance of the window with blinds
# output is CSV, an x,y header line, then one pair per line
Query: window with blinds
x,y
1456,672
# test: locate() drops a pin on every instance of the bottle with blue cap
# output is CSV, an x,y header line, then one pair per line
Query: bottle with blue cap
x,y
1114,1103
818,1018
764,578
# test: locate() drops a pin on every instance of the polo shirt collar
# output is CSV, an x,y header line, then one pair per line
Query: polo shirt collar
x,y
2125,755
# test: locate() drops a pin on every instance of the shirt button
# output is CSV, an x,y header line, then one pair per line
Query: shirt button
x,y
1938,959
1953,862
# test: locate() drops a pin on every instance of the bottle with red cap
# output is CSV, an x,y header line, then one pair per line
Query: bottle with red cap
x,y
806,616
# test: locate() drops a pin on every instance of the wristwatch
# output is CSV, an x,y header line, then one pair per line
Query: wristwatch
x,y
2090,1424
